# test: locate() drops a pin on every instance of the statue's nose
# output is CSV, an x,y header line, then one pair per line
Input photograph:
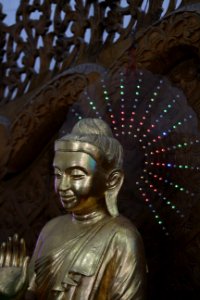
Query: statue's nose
x,y
64,183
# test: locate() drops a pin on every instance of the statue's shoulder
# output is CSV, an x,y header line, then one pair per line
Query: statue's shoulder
x,y
125,225
126,234
57,222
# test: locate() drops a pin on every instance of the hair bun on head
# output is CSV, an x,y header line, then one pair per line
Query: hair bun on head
x,y
91,126
97,133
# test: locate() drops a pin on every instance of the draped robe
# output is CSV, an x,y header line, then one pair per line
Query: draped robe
x,y
88,260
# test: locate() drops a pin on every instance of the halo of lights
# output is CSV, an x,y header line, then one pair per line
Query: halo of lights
x,y
146,117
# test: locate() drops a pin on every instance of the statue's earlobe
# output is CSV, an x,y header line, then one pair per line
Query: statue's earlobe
x,y
114,183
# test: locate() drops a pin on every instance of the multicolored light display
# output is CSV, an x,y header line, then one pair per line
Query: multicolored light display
x,y
144,118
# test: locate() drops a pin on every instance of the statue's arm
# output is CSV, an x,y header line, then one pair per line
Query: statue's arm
x,y
130,273
32,286
13,269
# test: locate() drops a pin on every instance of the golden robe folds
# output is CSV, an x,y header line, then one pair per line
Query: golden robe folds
x,y
96,258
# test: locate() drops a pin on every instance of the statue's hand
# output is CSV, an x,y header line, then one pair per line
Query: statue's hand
x,y
13,267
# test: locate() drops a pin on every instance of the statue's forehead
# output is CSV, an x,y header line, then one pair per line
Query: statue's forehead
x,y
83,147
79,146
69,159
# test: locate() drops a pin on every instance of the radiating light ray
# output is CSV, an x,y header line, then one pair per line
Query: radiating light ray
x,y
137,93
171,165
126,127
76,114
92,105
122,103
109,107
155,93
179,146
171,183
161,115
163,112
153,210
162,198
150,103
158,138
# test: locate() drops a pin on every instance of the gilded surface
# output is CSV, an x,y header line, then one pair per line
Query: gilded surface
x,y
92,252
100,257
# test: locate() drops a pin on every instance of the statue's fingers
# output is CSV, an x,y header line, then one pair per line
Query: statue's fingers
x,y
8,257
25,266
15,256
2,254
22,252
24,273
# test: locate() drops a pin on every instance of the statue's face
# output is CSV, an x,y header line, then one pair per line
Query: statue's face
x,y
79,181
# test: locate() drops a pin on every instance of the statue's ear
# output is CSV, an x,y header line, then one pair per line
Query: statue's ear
x,y
114,183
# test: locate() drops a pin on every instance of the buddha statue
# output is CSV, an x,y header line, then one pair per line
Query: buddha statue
x,y
90,253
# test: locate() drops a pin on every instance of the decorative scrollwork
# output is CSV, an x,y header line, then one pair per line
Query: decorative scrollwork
x,y
50,36
172,46
40,116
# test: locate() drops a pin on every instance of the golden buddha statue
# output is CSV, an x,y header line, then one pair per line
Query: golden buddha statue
x,y
91,253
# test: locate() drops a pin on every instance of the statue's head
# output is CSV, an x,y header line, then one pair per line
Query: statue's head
x,y
88,167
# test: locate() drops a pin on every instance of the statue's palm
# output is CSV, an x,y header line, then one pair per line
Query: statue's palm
x,y
13,267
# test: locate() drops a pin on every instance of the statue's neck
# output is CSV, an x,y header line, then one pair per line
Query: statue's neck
x,y
90,217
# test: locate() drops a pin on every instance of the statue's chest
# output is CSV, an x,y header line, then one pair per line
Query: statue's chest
x,y
66,234
78,251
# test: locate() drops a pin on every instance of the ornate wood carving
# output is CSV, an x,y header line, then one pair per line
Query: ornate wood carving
x,y
41,118
50,36
172,46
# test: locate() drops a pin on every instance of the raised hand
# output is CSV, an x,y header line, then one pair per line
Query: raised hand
x,y
13,267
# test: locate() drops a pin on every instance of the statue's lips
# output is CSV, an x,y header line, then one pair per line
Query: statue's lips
x,y
67,199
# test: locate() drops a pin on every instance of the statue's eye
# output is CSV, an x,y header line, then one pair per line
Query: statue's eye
x,y
57,175
77,174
